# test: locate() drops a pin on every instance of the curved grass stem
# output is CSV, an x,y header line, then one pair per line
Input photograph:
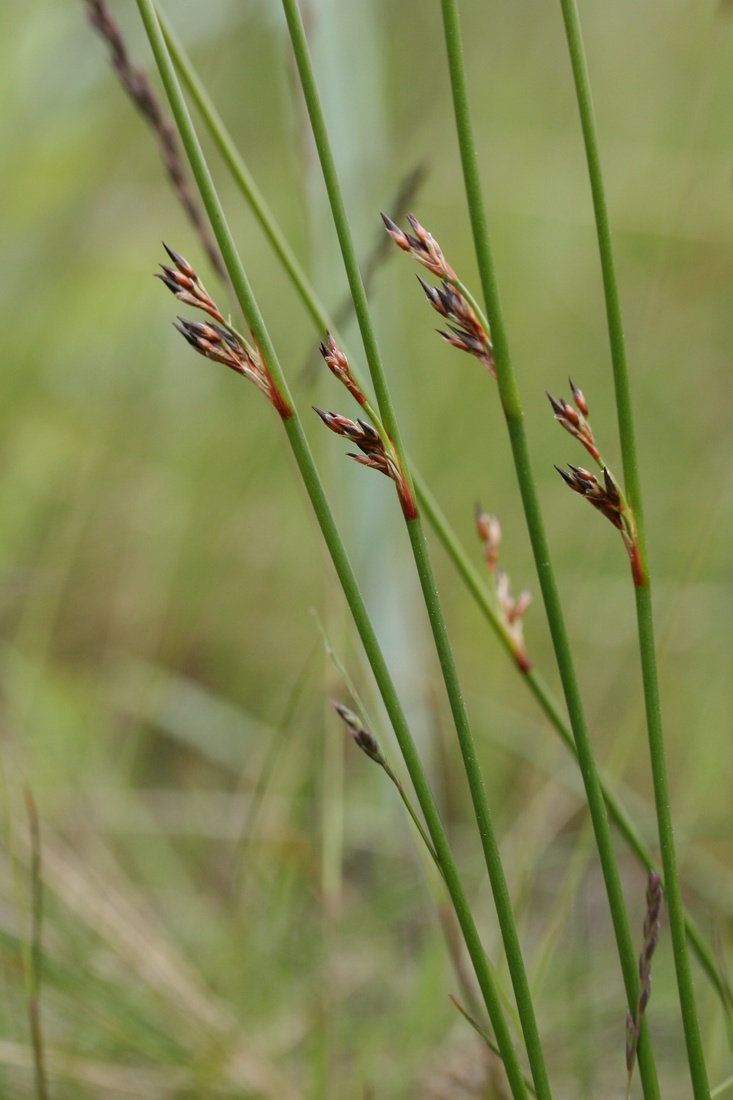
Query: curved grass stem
x,y
645,624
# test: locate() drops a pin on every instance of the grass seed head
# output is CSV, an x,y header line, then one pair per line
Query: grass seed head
x,y
466,331
362,737
421,244
184,283
574,420
338,364
376,454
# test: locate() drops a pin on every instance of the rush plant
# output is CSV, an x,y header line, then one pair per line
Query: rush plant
x,y
473,323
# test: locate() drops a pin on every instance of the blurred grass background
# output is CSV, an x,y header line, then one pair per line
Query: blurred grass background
x,y
235,904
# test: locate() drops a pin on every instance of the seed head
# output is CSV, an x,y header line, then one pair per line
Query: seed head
x,y
363,737
422,245
184,283
489,531
606,498
466,331
579,398
338,364
574,420
654,896
375,453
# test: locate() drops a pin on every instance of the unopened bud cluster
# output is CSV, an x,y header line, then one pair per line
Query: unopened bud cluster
x,y
511,610
464,331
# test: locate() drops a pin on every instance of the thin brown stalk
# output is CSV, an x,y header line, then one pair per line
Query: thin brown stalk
x,y
138,87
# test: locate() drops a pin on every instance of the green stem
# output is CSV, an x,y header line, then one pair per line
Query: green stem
x,y
510,401
388,416
428,504
242,175
625,417
349,584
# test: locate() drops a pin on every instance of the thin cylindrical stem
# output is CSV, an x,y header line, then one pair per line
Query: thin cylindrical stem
x,y
388,416
647,649
349,584
511,405
428,505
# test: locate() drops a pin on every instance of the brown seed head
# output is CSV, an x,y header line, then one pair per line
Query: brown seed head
x,y
221,345
573,421
579,398
363,737
338,364
375,453
466,332
422,245
185,284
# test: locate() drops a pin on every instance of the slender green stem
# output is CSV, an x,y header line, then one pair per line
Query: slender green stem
x,y
36,952
509,396
625,416
388,416
349,584
428,505
482,812
242,175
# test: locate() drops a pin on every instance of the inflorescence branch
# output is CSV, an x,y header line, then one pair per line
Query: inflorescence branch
x,y
605,495
377,450
511,611
465,331
220,342
654,897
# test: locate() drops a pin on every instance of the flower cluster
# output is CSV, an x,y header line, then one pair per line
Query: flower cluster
x,y
420,244
220,342
603,493
185,284
338,365
465,331
654,896
511,610
574,420
377,452
606,497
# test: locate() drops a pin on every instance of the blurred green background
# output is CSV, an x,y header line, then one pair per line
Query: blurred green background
x,y
235,902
